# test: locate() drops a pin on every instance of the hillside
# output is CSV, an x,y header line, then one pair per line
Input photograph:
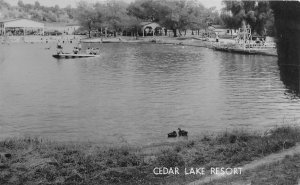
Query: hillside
x,y
36,12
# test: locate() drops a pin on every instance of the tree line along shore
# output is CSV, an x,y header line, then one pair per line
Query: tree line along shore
x,y
38,161
178,16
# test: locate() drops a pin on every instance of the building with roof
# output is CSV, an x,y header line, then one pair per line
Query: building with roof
x,y
151,28
63,28
71,29
21,27
221,31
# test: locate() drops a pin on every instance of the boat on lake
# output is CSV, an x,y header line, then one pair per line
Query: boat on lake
x,y
90,52
72,55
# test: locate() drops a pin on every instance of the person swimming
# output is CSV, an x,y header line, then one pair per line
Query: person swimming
x,y
88,51
75,50
59,47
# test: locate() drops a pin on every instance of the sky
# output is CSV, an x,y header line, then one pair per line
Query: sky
x,y
64,3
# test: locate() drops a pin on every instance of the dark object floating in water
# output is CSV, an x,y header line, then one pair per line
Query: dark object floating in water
x,y
172,134
182,132
5,155
68,55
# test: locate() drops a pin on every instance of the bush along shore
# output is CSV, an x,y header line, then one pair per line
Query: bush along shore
x,y
35,161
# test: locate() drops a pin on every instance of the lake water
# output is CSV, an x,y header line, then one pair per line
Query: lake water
x,y
138,93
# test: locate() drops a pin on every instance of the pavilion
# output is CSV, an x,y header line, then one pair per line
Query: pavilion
x,y
151,28
21,27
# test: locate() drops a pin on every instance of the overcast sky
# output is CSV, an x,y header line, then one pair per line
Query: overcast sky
x,y
64,3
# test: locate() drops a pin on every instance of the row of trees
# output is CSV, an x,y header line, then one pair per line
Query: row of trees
x,y
176,15
172,14
110,16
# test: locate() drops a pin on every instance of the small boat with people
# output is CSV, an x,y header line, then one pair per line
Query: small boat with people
x,y
90,52
72,55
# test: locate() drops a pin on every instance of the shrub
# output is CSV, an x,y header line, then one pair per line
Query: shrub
x,y
177,148
199,159
190,144
170,159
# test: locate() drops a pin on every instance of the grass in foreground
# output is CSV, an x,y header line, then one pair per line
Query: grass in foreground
x,y
286,172
33,161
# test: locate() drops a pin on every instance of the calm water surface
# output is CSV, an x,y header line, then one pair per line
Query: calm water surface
x,y
138,93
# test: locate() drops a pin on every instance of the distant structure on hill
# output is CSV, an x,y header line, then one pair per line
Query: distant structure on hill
x,y
61,28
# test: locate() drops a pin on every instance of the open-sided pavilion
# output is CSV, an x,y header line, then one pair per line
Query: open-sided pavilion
x,y
21,27
151,28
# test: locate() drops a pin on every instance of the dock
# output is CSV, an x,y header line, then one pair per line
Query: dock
x,y
248,51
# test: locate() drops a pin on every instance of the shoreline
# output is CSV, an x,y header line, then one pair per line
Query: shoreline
x,y
34,160
182,41
38,39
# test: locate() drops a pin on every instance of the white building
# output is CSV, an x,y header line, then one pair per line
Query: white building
x,y
222,31
71,29
63,28
21,27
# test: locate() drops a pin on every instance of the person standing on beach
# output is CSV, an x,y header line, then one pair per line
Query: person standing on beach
x,y
76,50
79,46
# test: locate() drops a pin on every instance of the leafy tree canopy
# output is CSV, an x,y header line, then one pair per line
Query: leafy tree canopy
x,y
257,14
173,14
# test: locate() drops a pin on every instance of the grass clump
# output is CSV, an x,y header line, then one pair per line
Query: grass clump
x,y
241,146
169,159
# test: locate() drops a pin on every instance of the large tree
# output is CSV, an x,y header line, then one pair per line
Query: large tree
x,y
116,16
88,17
257,14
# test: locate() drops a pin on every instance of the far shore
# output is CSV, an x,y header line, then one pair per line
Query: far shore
x,y
194,41
38,161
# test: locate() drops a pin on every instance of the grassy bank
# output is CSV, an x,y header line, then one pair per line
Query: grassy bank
x,y
286,171
34,161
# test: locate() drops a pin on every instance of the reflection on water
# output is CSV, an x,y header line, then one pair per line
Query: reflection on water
x,y
290,75
138,93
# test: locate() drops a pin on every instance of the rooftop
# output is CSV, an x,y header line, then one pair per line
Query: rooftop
x,y
10,20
